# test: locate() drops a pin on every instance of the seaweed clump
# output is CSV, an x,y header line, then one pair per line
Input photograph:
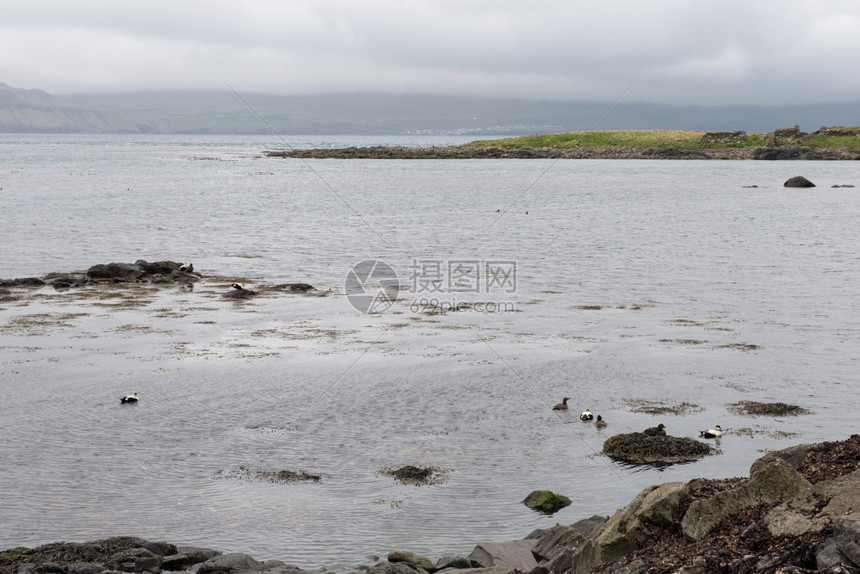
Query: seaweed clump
x,y
416,475
659,408
639,448
767,409
276,477
829,460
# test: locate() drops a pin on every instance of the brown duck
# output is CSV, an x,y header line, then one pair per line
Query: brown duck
x,y
656,431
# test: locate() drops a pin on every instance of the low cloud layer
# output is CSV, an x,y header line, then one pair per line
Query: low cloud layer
x,y
692,52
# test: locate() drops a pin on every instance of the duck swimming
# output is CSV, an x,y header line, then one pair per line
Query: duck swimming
x,y
656,431
586,415
600,423
715,432
562,406
129,399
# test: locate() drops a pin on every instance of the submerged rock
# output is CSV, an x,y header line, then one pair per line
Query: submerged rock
x,y
639,448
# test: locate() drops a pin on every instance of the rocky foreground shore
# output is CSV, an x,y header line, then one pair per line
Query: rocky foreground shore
x,y
798,511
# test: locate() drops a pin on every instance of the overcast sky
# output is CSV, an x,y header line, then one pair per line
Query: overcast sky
x,y
694,52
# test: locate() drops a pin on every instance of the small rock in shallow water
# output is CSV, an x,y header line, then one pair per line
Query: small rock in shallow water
x,y
798,181
546,501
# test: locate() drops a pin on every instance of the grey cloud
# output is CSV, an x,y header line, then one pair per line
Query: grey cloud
x,y
679,51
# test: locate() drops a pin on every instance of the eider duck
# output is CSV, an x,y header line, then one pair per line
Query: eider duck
x,y
600,423
129,399
656,431
562,406
187,267
715,432
586,415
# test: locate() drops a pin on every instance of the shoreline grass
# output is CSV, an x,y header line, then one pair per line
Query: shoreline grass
x,y
830,138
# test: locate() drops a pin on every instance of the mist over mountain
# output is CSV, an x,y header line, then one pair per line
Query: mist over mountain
x,y
223,112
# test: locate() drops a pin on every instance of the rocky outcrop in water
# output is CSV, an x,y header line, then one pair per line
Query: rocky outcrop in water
x,y
639,448
139,271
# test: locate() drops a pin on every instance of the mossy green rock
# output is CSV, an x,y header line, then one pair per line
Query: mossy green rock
x,y
546,501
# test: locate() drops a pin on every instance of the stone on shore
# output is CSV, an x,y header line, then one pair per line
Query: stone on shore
x,y
412,558
395,568
456,562
187,556
512,555
619,535
780,519
555,546
771,479
238,563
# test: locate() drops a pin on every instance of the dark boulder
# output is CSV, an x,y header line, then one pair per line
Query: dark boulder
x,y
187,556
798,181
135,560
116,271
777,153
163,267
29,282
240,293
457,562
672,153
238,563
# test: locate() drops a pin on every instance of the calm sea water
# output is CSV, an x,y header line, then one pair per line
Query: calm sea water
x,y
611,282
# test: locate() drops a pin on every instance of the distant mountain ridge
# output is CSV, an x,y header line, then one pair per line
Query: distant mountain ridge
x,y
222,112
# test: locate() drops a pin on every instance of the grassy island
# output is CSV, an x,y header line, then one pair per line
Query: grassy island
x,y
827,143
826,138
